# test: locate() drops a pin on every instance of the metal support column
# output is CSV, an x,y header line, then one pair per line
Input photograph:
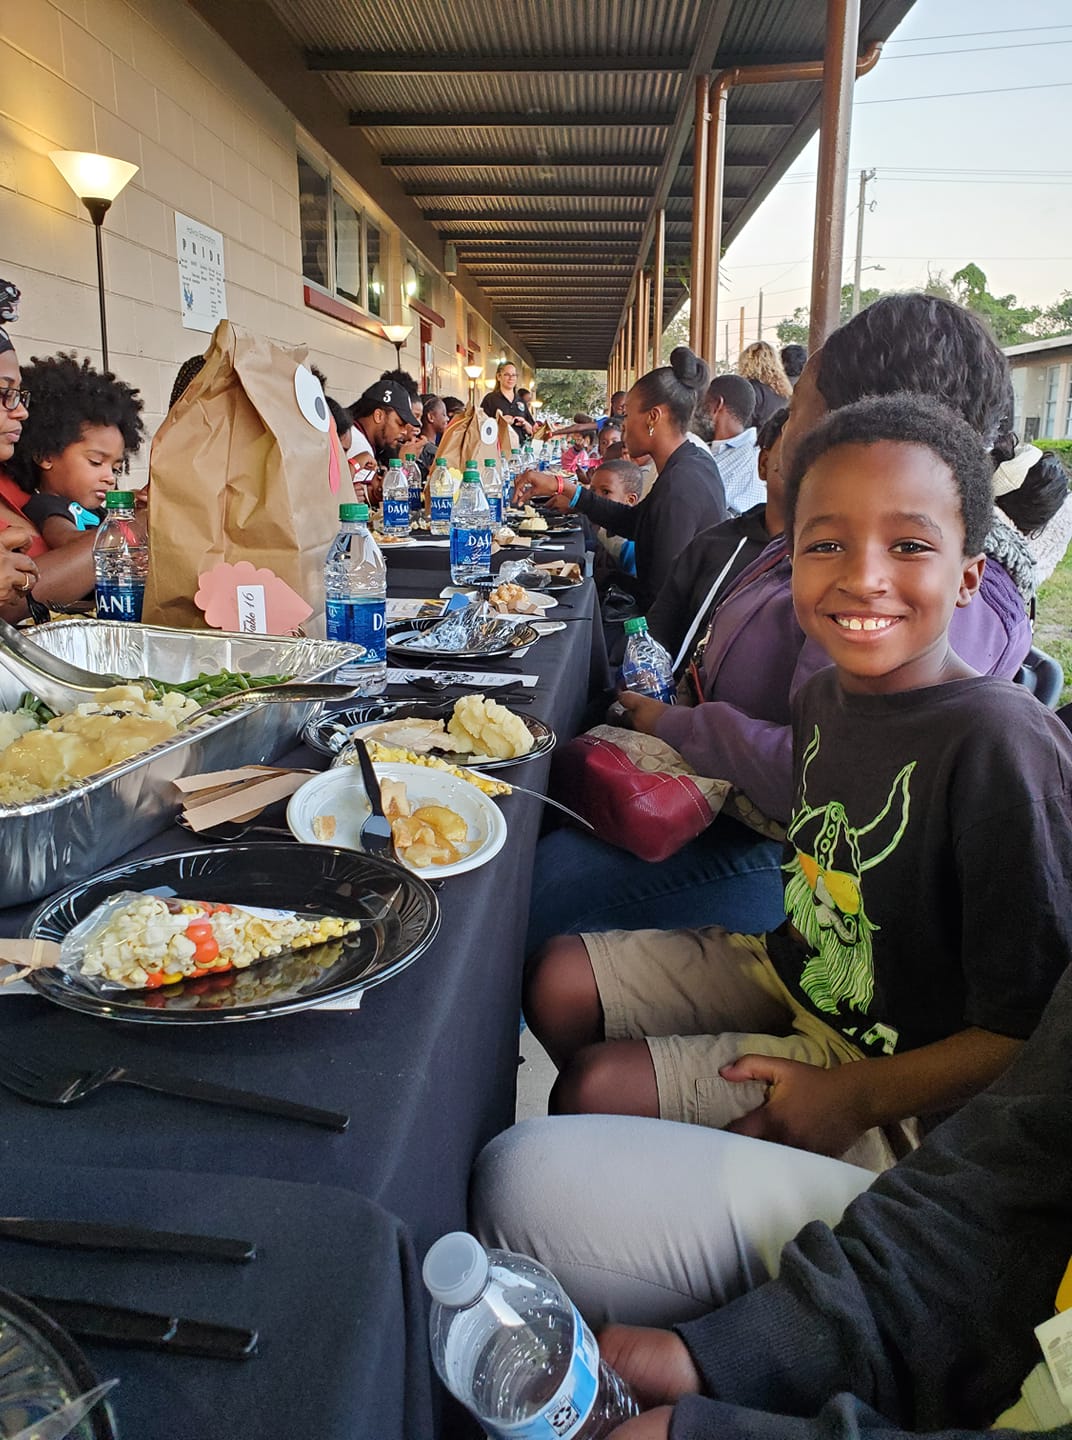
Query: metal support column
x,y
699,215
628,356
835,126
716,175
658,276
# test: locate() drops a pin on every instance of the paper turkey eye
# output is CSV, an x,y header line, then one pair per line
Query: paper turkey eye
x,y
489,430
310,397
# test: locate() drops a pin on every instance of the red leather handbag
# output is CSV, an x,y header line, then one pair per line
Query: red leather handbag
x,y
637,791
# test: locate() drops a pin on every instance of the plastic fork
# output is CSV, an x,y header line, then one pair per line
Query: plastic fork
x,y
68,1087
375,836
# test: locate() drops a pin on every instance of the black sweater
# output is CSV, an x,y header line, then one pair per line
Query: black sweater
x,y
697,568
917,1313
686,498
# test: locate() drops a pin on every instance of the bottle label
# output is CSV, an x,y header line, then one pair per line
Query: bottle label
x,y
471,547
495,510
396,515
119,602
442,505
359,622
416,494
567,1412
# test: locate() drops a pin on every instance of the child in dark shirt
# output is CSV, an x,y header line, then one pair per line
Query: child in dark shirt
x,y
82,426
922,789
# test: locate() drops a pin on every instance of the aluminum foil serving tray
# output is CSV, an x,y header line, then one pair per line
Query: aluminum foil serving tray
x,y
71,834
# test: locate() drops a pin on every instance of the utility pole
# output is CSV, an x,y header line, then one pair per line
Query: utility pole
x,y
759,321
740,345
727,344
865,177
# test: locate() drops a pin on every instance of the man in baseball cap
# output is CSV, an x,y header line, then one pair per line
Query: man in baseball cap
x,y
382,414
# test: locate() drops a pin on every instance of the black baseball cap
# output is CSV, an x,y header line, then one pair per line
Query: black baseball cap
x,y
385,395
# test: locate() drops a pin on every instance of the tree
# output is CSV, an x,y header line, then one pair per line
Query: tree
x,y
567,392
1010,323
794,330
1056,319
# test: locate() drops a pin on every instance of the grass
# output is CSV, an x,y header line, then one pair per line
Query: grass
x,y
1053,624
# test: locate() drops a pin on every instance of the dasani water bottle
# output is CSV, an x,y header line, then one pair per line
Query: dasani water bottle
x,y
470,532
355,589
508,1342
396,502
647,668
120,560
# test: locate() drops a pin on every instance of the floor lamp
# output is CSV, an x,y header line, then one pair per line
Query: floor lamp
x,y
474,372
96,180
398,335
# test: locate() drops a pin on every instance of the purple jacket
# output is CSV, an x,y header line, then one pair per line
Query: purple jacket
x,y
757,658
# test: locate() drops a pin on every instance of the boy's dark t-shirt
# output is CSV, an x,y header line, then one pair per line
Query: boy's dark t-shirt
x,y
930,862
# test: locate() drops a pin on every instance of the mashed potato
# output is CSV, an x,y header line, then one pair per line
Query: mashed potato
x,y
484,727
116,725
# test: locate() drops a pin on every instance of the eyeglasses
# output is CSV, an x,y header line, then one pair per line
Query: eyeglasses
x,y
11,397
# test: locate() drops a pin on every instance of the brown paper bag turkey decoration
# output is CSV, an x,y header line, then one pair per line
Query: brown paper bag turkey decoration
x,y
246,466
463,439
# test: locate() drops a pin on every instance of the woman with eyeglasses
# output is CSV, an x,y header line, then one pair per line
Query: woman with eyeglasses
x,y
18,571
57,577
504,399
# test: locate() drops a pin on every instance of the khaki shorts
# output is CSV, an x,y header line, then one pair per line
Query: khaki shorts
x,y
701,999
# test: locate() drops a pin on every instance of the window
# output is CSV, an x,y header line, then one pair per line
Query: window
x,y
314,189
374,261
1049,405
416,280
341,248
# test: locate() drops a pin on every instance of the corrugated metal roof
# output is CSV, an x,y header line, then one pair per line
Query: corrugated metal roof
x,y
527,170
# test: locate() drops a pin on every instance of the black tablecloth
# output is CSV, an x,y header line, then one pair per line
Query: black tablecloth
x,y
333,1295
426,1068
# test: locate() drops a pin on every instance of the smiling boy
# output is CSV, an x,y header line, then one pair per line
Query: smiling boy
x,y
927,892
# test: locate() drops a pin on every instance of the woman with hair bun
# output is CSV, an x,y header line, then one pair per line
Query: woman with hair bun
x,y
688,496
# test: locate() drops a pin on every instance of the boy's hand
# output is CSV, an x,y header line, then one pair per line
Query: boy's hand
x,y
655,1425
806,1106
644,713
656,1363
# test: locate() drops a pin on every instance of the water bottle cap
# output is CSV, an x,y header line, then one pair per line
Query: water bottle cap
x,y
637,625
354,512
119,500
487,463
394,464
441,460
456,1269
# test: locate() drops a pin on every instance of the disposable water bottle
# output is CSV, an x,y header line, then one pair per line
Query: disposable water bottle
x,y
493,493
470,532
508,1342
442,497
646,668
355,588
396,502
412,471
120,559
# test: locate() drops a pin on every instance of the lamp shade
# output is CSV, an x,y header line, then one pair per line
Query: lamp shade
x,y
474,371
397,334
93,177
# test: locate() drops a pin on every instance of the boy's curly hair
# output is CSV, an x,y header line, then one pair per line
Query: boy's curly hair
x,y
66,397
906,419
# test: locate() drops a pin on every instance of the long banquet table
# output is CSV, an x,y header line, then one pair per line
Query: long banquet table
x,y
426,1069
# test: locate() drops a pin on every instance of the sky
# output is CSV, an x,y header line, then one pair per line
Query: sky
x,y
983,177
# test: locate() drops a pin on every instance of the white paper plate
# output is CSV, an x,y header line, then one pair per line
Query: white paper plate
x,y
341,793
537,597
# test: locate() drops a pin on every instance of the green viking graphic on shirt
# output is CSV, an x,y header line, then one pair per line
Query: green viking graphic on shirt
x,y
824,896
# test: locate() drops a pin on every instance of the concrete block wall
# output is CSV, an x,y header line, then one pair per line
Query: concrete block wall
x,y
147,81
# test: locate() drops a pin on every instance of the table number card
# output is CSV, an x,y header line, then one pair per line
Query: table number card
x,y
251,601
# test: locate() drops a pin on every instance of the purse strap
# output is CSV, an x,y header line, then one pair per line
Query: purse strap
x,y
705,607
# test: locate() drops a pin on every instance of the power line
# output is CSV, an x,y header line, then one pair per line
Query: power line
x,y
980,49
956,94
974,34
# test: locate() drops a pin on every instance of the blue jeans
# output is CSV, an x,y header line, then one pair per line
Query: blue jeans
x,y
727,876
